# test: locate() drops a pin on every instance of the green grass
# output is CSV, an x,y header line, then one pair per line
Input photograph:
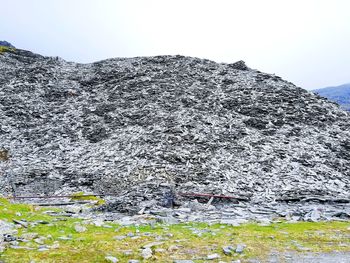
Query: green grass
x,y
83,197
5,49
180,241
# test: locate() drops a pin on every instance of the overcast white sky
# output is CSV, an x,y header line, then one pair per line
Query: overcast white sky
x,y
304,41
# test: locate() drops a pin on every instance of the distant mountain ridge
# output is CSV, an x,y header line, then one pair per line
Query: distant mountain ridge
x,y
339,94
6,44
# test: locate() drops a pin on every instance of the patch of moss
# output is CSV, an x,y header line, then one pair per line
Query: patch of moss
x,y
5,49
81,196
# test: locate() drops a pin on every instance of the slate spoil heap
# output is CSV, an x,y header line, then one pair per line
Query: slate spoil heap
x,y
143,127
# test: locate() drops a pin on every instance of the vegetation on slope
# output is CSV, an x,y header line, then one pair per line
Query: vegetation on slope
x,y
65,239
5,49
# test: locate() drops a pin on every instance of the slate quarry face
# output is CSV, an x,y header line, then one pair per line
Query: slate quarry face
x,y
145,123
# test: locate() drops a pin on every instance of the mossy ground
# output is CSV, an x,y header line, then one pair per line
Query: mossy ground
x,y
181,241
83,197
5,49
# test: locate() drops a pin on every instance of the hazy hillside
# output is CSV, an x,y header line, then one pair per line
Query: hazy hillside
x,y
339,94
6,44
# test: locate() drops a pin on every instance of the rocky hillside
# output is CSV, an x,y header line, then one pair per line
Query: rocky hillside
x,y
139,126
339,94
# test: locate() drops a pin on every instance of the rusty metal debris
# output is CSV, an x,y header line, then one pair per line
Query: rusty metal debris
x,y
4,155
116,194
214,196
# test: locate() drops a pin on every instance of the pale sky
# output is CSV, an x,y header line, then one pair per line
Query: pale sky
x,y
304,41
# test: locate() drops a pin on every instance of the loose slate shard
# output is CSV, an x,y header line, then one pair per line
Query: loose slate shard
x,y
239,65
144,126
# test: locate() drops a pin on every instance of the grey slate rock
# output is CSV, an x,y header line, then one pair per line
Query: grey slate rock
x,y
111,259
239,65
240,248
132,125
228,250
314,215
146,253
213,256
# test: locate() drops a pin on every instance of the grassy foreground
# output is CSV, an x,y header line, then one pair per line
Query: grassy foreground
x,y
62,241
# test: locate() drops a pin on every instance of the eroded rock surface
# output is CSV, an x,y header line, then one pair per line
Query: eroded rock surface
x,y
142,127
